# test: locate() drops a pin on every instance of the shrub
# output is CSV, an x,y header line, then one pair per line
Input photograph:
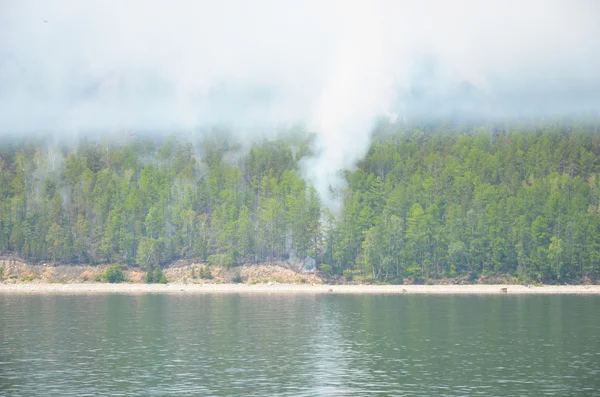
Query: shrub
x,y
473,277
348,275
97,277
156,276
113,274
237,279
524,279
414,272
326,269
28,278
149,277
205,273
397,280
1,272
223,260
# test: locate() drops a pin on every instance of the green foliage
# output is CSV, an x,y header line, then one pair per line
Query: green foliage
x,y
237,279
223,260
1,272
504,201
113,274
205,272
348,275
156,276
29,278
326,269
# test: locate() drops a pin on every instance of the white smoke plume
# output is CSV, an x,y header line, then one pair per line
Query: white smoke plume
x,y
336,66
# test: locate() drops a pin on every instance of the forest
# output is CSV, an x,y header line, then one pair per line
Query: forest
x,y
428,202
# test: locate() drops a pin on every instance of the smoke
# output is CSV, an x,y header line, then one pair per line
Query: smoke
x,y
335,66
354,94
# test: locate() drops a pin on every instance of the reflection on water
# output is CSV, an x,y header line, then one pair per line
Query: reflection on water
x,y
248,345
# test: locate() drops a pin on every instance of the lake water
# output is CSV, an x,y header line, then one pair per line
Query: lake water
x,y
299,345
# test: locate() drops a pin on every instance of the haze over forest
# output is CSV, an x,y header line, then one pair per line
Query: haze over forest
x,y
400,139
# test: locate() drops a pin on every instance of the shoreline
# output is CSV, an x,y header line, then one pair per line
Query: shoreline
x,y
276,288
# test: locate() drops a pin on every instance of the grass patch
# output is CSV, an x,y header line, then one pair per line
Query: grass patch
x,y
28,279
363,279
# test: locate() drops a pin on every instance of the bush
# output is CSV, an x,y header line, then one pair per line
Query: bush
x,y
205,273
348,275
397,280
223,260
414,271
416,275
473,277
1,272
97,278
237,279
326,269
156,276
28,278
113,274
524,279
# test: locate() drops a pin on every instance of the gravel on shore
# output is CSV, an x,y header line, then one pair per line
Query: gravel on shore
x,y
276,288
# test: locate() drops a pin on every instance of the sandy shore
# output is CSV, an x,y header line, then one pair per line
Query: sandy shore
x,y
275,288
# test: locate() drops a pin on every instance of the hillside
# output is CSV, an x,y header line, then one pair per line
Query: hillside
x,y
517,201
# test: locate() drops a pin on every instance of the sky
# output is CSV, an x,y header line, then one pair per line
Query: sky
x,y
334,66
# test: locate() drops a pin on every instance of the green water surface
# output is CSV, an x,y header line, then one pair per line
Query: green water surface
x,y
299,345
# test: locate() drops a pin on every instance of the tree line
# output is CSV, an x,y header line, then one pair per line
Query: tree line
x,y
427,202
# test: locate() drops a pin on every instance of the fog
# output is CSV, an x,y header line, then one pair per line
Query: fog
x,y
335,67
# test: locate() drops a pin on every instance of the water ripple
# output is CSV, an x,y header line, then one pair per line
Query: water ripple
x,y
236,345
